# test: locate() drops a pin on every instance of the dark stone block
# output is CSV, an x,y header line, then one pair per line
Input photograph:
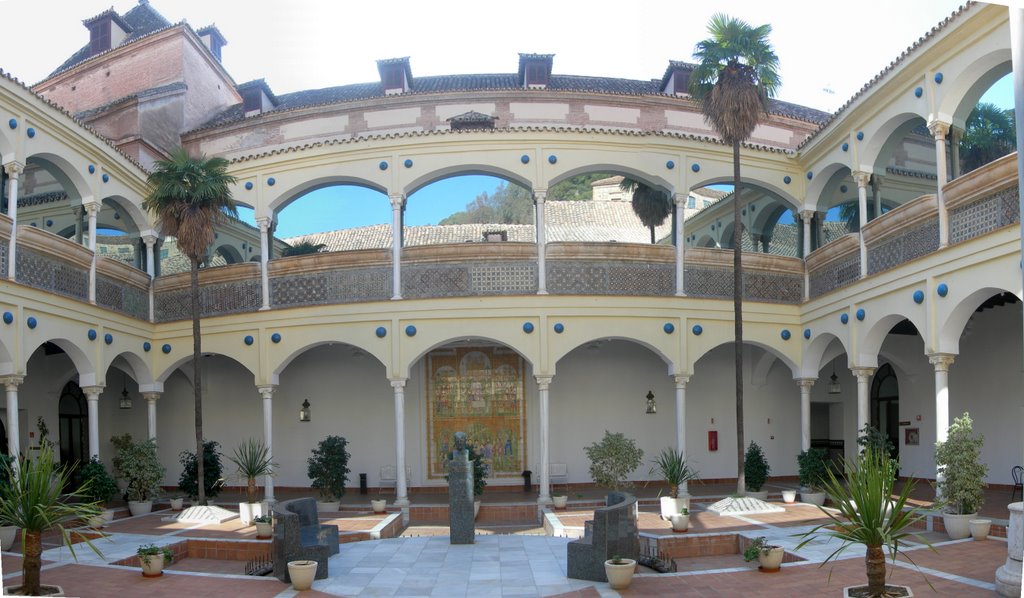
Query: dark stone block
x,y
612,532
298,535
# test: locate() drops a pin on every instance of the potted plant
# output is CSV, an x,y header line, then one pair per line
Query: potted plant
x,y
8,532
138,464
379,504
619,572
328,468
560,501
264,526
962,476
681,520
213,471
769,556
612,459
302,574
99,487
813,473
868,515
33,501
252,460
673,468
755,470
153,558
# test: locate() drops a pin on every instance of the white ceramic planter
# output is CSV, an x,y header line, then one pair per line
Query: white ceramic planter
x,y
142,507
302,574
107,515
7,535
476,508
620,575
958,527
152,566
177,504
247,511
813,498
560,502
264,530
671,506
379,506
789,496
771,559
328,506
680,523
980,528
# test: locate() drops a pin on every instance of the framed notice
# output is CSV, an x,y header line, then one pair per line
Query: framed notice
x,y
912,436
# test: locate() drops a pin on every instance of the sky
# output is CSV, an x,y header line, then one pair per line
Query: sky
x,y
827,50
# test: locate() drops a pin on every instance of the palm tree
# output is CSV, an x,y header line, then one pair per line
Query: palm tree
x,y
989,134
736,74
189,196
303,248
651,206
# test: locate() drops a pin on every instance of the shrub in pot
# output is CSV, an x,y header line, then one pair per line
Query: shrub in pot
x,y
264,526
813,473
152,558
252,460
213,471
769,556
681,520
33,501
328,470
755,470
962,483
139,466
98,487
673,468
612,459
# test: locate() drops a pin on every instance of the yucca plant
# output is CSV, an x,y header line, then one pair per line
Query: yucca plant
x,y
252,458
34,501
674,469
868,515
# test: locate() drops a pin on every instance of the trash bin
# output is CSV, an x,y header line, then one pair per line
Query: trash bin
x,y
362,484
527,484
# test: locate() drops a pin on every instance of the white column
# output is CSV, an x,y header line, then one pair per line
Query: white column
x,y
862,178
150,241
264,224
151,398
401,484
542,274
941,362
680,201
681,381
806,216
267,392
805,385
954,152
93,209
876,194
11,384
79,212
92,398
863,395
13,170
543,383
397,203
939,130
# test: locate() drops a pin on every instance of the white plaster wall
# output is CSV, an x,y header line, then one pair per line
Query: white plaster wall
x,y
391,118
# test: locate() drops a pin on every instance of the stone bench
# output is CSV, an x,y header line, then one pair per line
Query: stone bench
x,y
298,535
612,532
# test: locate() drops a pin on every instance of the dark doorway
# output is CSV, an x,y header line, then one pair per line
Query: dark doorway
x,y
885,406
74,428
3,438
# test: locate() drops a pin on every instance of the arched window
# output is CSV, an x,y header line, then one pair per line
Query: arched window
x,y
885,405
74,425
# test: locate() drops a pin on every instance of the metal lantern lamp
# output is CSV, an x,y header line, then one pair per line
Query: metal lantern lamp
x,y
304,415
833,385
652,407
126,401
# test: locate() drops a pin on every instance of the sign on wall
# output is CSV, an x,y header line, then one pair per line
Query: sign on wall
x,y
479,391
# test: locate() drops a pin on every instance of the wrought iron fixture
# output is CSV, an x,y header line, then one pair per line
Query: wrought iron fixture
x,y
833,385
126,401
304,415
652,407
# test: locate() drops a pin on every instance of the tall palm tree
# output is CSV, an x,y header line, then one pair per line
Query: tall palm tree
x,y
650,205
736,74
989,133
189,196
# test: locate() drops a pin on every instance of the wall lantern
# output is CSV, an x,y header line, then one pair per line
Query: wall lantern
x,y
652,407
126,401
304,415
833,385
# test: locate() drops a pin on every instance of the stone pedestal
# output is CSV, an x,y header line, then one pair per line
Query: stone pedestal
x,y
1008,577
461,520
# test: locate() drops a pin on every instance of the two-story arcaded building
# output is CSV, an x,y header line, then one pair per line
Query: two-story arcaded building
x,y
533,341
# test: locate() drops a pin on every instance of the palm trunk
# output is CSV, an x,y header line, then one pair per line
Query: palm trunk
x,y
30,582
653,240
875,565
737,298
197,347
250,491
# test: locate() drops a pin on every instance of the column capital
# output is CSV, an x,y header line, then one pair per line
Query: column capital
x,y
149,240
92,208
543,381
264,223
805,383
13,169
539,195
680,380
680,199
862,372
941,361
398,383
151,397
397,200
92,393
267,391
939,129
807,215
11,383
861,177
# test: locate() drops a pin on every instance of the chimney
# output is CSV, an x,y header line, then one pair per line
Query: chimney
x,y
106,30
257,97
213,40
395,75
676,80
535,70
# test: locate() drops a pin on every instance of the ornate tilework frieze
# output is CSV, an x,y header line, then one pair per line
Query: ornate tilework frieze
x,y
610,278
337,286
214,300
773,287
43,272
904,247
701,281
984,215
835,275
448,280
122,298
3,258
504,278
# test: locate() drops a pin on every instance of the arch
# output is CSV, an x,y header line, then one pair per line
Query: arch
x,y
871,342
819,352
953,326
789,363
289,195
876,152
706,240
555,358
135,216
973,81
132,364
829,195
187,372
87,374
750,184
6,360
65,173
230,253
284,363
616,169
825,179
469,339
456,170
